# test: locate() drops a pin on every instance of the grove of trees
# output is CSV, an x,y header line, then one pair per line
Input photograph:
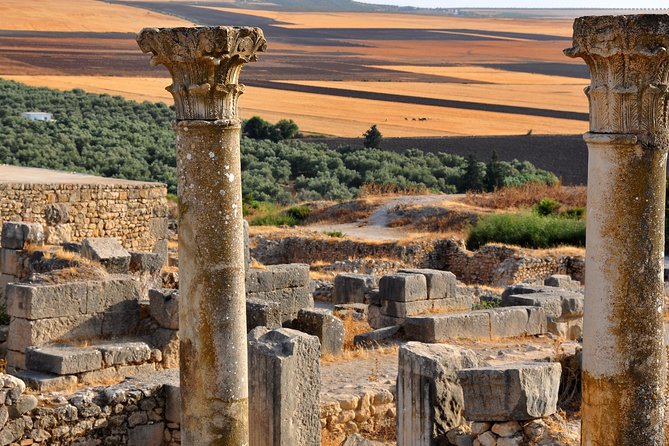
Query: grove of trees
x,y
110,136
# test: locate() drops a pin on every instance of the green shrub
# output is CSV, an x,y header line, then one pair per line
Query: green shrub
x,y
527,230
299,213
546,206
337,234
573,213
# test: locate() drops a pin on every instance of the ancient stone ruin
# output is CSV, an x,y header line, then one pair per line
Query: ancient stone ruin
x,y
111,339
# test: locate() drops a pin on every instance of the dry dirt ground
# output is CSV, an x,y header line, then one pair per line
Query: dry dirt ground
x,y
334,73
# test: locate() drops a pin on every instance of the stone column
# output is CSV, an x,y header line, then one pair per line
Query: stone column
x,y
205,65
624,363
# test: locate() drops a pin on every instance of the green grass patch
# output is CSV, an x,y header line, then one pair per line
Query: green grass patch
x,y
336,234
527,230
269,214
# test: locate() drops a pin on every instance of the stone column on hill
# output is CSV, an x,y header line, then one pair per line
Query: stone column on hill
x,y
624,359
205,64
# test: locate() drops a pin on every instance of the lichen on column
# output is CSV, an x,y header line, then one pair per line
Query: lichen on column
x,y
205,64
624,357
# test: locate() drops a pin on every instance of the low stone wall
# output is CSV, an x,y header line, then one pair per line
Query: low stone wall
x,y
491,265
133,212
133,413
367,412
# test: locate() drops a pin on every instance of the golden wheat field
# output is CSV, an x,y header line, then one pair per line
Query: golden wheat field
x,y
412,75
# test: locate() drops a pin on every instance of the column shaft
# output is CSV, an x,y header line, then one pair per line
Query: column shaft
x,y
624,358
212,312
205,64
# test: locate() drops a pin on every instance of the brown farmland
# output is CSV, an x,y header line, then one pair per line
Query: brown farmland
x,y
334,73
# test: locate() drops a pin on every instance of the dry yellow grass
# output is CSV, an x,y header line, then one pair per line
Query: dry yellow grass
x,y
565,97
79,15
555,27
342,116
485,74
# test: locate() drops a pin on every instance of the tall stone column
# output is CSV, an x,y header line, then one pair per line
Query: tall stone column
x,y
624,363
205,65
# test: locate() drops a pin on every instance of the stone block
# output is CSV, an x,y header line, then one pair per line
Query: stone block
x,y
442,327
403,287
168,342
146,435
173,403
290,300
121,319
11,262
560,306
16,235
440,284
509,322
429,398
45,382
15,360
262,313
509,392
123,353
40,301
405,309
164,304
277,277
562,281
108,252
24,333
284,388
323,324
352,288
146,262
375,337
63,360
106,295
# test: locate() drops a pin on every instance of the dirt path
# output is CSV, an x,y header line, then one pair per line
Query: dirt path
x,y
376,226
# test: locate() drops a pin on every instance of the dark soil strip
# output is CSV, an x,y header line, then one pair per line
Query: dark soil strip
x,y
511,109
564,155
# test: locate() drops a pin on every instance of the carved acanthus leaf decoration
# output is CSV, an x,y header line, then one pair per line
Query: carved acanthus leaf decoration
x,y
204,63
629,71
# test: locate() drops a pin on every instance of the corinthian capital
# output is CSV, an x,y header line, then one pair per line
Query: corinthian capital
x,y
629,71
205,63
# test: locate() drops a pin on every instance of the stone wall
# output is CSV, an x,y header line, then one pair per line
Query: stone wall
x,y
491,265
367,412
134,213
133,413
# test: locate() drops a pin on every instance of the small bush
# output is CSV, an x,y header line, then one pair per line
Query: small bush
x,y
527,230
337,234
299,213
573,213
546,207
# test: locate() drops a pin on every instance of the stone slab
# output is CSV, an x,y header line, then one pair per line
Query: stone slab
x,y
375,337
63,360
560,306
11,262
403,287
442,327
429,398
508,392
284,388
16,235
262,313
440,284
323,324
562,281
40,301
123,353
352,288
146,262
108,252
45,382
24,333
164,305
277,277
290,300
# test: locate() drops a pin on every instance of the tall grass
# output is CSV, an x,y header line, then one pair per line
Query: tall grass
x,y
528,195
527,230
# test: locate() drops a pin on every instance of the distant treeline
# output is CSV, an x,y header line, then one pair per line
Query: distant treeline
x,y
114,137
